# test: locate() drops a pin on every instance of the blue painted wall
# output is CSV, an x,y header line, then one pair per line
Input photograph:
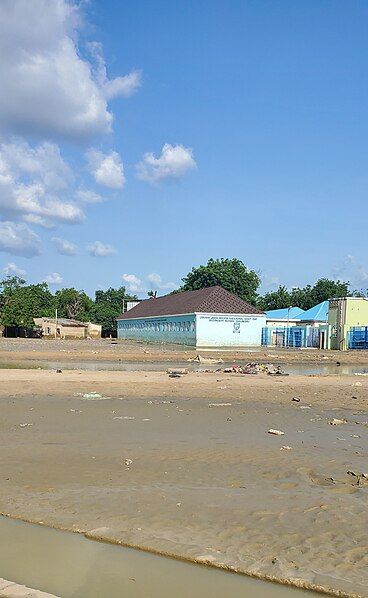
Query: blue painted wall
x,y
165,329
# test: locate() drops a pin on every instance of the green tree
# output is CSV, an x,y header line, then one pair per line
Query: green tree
x,y
275,299
327,289
73,304
108,306
231,274
8,286
305,297
23,303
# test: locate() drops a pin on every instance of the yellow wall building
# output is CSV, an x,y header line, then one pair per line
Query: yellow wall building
x,y
343,314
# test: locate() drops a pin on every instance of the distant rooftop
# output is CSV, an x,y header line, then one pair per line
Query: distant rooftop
x,y
211,300
291,313
317,313
64,322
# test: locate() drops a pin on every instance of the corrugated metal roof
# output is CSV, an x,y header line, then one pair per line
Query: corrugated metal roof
x,y
293,313
64,322
211,300
317,313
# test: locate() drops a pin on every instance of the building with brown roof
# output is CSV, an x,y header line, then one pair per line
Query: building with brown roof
x,y
209,317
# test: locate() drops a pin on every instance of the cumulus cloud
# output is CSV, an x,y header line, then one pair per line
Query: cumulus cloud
x,y
158,284
19,239
120,86
48,87
133,283
53,278
107,169
64,247
99,249
11,269
173,163
87,196
353,270
34,185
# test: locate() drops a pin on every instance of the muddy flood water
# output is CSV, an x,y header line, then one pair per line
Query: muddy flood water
x,y
70,565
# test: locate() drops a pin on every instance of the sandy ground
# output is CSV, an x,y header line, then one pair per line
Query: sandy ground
x,y
186,466
13,350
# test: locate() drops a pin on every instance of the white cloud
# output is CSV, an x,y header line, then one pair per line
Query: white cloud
x,y
158,284
47,86
107,169
53,278
173,163
99,249
352,270
133,283
11,269
120,86
18,239
43,161
64,247
34,185
87,196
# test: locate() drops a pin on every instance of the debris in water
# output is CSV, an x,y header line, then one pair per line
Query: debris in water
x,y
220,404
255,368
337,422
276,432
128,462
25,425
286,448
173,375
296,399
201,359
94,396
59,371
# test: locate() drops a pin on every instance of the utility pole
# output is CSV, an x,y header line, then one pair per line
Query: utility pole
x,y
55,323
287,327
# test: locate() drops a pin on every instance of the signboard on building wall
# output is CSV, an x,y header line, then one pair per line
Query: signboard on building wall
x,y
228,329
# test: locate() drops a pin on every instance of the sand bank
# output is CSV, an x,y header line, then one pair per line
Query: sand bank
x,y
164,466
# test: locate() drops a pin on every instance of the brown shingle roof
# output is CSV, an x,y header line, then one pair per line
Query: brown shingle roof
x,y
210,300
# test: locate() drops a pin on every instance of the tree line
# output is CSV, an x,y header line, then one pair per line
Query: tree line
x,y
233,275
20,302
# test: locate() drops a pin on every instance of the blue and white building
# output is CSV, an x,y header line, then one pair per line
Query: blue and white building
x,y
209,317
294,327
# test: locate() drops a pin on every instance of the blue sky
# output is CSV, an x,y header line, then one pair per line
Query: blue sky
x,y
140,138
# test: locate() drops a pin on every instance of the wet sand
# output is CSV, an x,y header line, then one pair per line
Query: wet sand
x,y
167,465
126,351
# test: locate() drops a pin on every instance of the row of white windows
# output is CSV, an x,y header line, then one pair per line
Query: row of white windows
x,y
184,326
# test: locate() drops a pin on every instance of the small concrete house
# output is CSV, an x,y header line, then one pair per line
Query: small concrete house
x,y
209,317
65,328
348,322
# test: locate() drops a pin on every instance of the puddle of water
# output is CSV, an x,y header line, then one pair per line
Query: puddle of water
x,y
302,369
70,565
305,369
